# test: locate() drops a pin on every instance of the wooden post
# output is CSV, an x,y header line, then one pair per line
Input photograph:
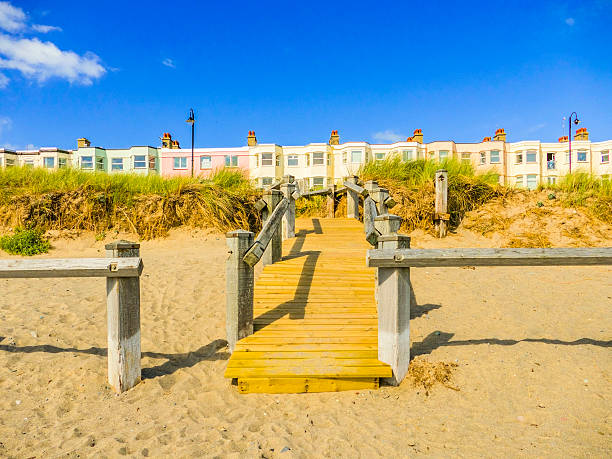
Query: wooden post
x,y
287,188
331,202
123,321
239,288
441,202
274,251
352,200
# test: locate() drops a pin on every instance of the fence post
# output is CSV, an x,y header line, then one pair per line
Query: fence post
x,y
331,202
352,200
287,188
123,321
441,215
274,251
239,288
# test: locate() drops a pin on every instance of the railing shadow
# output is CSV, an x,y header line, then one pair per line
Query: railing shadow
x,y
418,310
439,339
174,362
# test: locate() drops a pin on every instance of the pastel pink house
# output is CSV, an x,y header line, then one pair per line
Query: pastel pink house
x,y
177,161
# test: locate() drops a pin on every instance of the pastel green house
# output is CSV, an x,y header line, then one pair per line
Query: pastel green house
x,y
137,160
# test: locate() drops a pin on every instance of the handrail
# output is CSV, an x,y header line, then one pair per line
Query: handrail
x,y
323,192
71,267
357,189
369,214
272,224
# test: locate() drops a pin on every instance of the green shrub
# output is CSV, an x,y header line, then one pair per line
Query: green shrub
x,y
25,242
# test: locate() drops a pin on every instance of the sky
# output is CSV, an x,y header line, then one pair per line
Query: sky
x,y
123,73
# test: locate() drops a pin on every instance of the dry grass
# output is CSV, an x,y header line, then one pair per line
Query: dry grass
x,y
529,240
425,374
488,224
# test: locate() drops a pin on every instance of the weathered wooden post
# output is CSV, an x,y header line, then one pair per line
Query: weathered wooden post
x,y
331,202
123,321
352,199
274,251
441,215
239,288
287,189
393,302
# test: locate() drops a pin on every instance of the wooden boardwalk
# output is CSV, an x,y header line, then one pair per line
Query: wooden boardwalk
x,y
315,316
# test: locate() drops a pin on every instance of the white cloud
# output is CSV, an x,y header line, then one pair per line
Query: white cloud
x,y
4,81
40,60
12,19
169,63
570,21
388,136
5,123
535,128
45,28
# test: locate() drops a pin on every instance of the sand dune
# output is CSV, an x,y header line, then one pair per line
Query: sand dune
x,y
533,348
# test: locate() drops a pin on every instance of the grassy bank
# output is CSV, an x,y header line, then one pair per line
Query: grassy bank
x,y
146,205
412,186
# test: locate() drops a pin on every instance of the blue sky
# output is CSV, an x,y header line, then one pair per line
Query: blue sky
x,y
122,73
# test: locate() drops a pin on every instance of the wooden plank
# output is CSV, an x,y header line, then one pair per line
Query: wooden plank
x,y
263,339
296,370
254,355
404,258
292,347
369,214
303,385
314,361
71,267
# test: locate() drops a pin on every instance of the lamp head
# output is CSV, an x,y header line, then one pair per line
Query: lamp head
x,y
191,118
576,121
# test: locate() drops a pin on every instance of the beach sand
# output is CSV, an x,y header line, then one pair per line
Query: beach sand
x,y
532,348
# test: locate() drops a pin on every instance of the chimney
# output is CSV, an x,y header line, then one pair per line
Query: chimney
x,y
486,139
500,135
334,138
409,139
563,138
251,139
167,140
175,144
417,136
581,134
83,142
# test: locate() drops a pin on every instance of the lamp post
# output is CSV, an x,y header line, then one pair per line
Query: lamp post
x,y
576,121
191,120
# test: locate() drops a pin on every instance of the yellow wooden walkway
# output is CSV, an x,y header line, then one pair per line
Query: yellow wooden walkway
x,y
315,316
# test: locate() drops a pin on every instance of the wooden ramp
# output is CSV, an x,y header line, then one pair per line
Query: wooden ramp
x,y
315,316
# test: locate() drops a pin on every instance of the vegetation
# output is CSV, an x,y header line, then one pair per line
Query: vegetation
x,y
25,242
580,189
146,205
412,186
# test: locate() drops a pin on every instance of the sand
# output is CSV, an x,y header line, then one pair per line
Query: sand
x,y
532,348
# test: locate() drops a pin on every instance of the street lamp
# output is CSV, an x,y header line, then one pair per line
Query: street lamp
x,y
191,120
576,121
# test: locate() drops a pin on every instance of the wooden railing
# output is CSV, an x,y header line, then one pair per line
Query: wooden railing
x,y
122,269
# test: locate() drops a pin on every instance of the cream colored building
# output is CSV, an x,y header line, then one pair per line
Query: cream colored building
x,y
49,158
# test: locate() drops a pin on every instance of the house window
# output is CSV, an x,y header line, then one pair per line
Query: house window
x,y
278,160
518,181
317,182
532,181
292,160
328,159
116,164
519,158
605,156
551,164
582,156
100,163
266,159
355,157
531,156
86,162
465,157
307,160
232,161
49,162
380,156
140,162
344,157
265,181
180,163
205,162
10,162
551,180
483,157
318,159
407,155
443,155
61,163
494,156
28,163
256,160
152,162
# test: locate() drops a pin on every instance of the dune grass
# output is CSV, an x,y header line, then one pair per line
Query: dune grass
x,y
147,205
25,241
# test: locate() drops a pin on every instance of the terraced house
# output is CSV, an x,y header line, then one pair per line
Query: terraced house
x,y
322,164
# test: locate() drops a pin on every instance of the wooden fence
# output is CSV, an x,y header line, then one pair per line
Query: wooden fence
x,y
122,269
